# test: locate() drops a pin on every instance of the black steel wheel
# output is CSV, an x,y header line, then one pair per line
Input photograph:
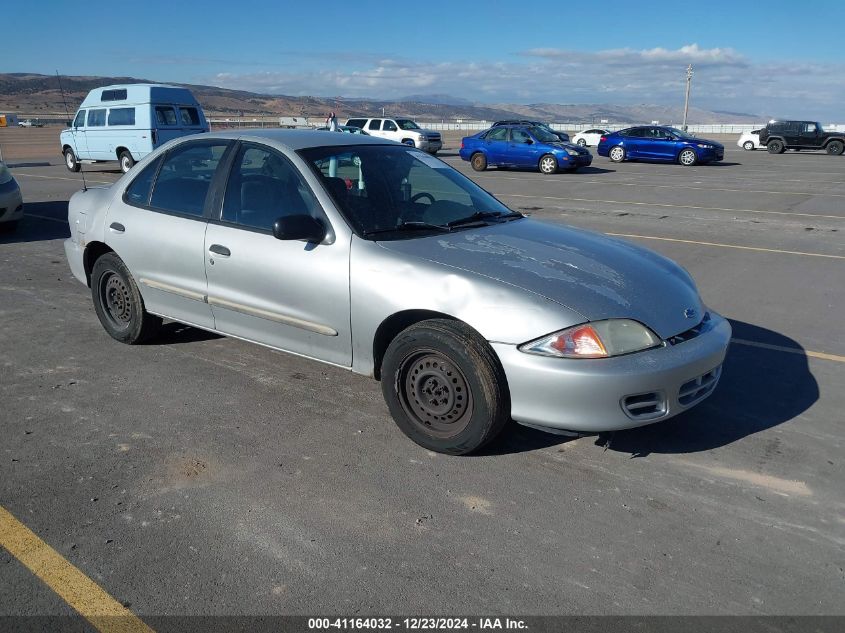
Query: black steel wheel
x,y
118,302
445,387
775,147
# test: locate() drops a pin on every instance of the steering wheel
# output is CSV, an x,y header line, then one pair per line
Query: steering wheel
x,y
422,194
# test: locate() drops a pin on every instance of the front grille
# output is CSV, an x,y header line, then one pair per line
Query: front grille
x,y
699,388
691,333
645,406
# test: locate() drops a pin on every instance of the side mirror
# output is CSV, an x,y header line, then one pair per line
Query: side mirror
x,y
299,227
528,141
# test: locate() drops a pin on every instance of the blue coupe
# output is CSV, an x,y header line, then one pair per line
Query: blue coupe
x,y
522,146
659,143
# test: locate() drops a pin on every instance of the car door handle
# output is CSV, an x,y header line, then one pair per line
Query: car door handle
x,y
217,249
117,227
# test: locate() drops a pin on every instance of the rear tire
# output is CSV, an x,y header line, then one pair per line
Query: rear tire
x,y
478,161
748,146
126,161
71,162
616,154
548,164
775,147
835,148
445,387
582,142
118,302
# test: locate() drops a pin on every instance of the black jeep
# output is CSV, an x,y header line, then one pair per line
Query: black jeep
x,y
778,136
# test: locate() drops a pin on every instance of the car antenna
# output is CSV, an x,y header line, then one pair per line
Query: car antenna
x,y
72,129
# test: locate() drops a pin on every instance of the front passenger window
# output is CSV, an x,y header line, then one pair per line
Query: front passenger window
x,y
263,187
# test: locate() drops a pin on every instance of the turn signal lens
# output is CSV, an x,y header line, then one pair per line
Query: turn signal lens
x,y
598,339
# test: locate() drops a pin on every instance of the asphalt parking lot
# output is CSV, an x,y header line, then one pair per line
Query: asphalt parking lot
x,y
204,475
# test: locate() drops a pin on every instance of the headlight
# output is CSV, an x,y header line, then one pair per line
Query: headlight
x,y
597,339
572,152
705,146
5,174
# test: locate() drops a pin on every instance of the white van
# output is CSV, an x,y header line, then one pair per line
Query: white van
x,y
127,122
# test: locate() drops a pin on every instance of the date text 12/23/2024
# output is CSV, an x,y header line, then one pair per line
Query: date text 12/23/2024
x,y
416,624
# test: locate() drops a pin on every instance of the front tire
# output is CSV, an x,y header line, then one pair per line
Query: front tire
x,y
835,148
444,387
118,302
478,161
71,162
748,146
126,161
548,164
775,147
687,158
616,154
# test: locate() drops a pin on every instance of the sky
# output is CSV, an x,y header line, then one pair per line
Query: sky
x,y
775,58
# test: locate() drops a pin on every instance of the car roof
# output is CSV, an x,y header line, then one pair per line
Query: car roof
x,y
299,139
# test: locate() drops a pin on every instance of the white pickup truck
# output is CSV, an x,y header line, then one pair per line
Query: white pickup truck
x,y
400,130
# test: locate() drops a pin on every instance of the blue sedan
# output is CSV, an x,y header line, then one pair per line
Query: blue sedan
x,y
659,143
522,146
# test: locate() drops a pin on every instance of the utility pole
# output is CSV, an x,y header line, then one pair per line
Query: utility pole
x,y
686,99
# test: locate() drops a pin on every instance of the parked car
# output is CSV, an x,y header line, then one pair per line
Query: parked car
x,y
750,141
404,131
659,143
127,122
563,136
522,146
590,137
779,136
381,259
30,123
11,200
349,129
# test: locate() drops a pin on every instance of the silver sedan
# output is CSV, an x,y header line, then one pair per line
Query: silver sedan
x,y
382,259
11,200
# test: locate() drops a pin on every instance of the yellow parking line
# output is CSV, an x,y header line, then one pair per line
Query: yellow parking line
x,y
104,612
674,206
77,179
791,350
747,248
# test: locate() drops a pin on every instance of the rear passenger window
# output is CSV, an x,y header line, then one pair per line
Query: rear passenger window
x,y
165,115
122,116
138,193
96,118
389,126
185,177
497,134
263,187
375,124
190,116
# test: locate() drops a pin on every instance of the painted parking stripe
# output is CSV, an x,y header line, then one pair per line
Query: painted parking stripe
x,y
790,350
673,206
80,592
746,248
77,179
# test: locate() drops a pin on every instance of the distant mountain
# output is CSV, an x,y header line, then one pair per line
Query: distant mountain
x,y
39,96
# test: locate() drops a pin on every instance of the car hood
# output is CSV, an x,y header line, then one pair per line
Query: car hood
x,y
596,276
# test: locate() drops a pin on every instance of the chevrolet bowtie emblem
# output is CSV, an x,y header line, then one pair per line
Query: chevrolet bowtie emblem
x,y
689,313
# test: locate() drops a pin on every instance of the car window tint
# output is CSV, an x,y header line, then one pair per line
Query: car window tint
x,y
96,118
122,116
138,192
375,124
264,186
165,115
389,126
497,134
356,122
520,136
185,177
190,116
79,121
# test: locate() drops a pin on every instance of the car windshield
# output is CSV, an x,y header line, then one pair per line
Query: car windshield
x,y
680,133
407,124
399,192
544,135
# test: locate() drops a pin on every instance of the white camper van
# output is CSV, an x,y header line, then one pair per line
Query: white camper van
x,y
127,122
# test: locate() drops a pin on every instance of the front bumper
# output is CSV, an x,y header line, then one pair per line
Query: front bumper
x,y
430,145
582,160
11,202
596,395
709,155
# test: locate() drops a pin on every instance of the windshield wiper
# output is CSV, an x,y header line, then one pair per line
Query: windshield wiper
x,y
410,226
479,216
